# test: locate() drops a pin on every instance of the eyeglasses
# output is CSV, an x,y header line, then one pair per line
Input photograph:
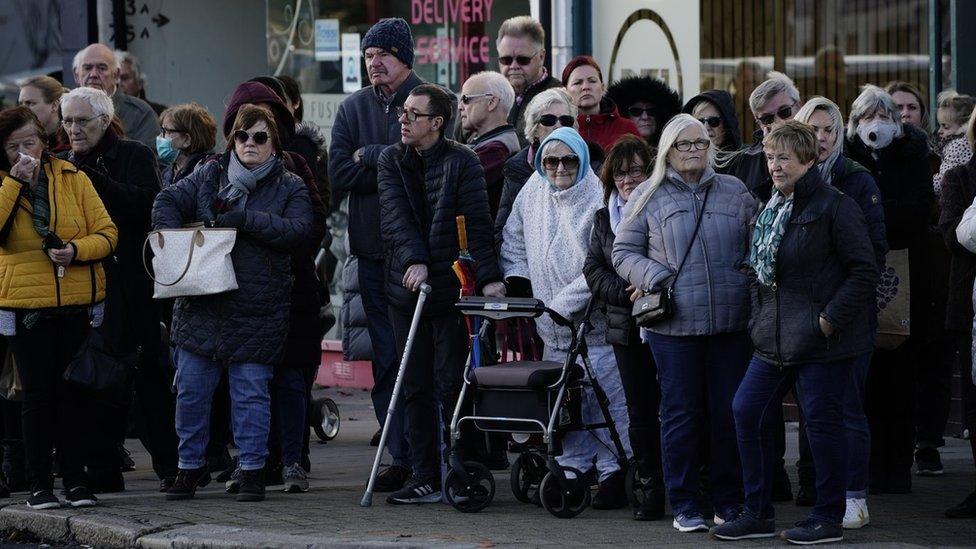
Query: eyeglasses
x,y
68,122
698,144
713,121
260,138
569,162
412,116
635,112
784,113
549,120
635,172
166,131
467,99
520,59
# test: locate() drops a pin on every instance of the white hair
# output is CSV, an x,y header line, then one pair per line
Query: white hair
x,y
540,103
130,58
871,100
99,101
836,124
76,63
775,84
497,85
670,134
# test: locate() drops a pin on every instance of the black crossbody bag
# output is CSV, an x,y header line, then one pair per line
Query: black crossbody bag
x,y
658,305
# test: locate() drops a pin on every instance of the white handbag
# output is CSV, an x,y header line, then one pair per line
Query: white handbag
x,y
191,262
966,230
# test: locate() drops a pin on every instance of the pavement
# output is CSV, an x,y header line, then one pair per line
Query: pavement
x,y
329,515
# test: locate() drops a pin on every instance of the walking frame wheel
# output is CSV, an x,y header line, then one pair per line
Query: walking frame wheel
x,y
472,494
526,476
565,502
326,419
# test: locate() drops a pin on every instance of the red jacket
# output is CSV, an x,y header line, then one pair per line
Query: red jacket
x,y
606,127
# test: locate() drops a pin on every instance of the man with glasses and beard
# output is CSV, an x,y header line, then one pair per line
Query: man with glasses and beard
x,y
365,125
521,59
772,103
424,182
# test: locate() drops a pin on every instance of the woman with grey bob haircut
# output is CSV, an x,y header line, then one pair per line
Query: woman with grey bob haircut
x,y
688,218
874,113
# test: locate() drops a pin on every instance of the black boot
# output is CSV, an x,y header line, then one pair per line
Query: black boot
x,y
186,483
14,468
252,486
610,494
651,506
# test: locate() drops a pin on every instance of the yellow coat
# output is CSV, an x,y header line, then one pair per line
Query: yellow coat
x,y
28,277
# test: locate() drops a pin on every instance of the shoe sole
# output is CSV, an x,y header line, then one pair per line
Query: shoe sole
x,y
430,498
817,542
855,526
687,529
83,503
295,488
51,505
746,536
930,472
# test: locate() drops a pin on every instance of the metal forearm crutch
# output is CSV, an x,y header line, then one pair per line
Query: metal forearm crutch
x,y
368,496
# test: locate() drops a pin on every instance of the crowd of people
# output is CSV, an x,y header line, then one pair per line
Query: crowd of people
x,y
787,260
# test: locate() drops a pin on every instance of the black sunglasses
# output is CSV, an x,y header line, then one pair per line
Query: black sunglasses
x,y
260,138
569,162
520,59
635,112
713,121
467,99
549,120
784,113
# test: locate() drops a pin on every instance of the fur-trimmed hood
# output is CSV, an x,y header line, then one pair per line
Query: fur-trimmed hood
x,y
627,91
313,133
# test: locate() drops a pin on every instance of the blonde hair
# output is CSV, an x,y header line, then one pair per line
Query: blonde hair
x,y
795,137
670,134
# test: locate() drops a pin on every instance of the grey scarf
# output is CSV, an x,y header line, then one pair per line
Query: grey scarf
x,y
241,181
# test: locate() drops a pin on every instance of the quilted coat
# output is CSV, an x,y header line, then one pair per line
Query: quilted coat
x,y
421,194
712,294
249,324
28,278
608,288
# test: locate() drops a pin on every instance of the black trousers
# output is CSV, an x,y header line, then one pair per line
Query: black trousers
x,y
431,384
934,391
53,414
890,407
638,374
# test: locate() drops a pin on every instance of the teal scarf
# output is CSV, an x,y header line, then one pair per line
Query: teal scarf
x,y
766,237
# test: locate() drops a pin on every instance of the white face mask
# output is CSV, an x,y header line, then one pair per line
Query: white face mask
x,y
877,134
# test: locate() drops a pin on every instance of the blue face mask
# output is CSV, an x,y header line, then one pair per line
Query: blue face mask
x,y
164,149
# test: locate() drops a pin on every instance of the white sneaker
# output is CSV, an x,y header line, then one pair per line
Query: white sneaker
x,y
856,515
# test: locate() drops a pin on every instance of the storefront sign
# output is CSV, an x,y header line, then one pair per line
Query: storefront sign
x,y
326,39
351,75
456,46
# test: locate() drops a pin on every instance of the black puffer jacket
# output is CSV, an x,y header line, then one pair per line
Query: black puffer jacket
x,y
421,194
248,324
750,167
825,265
607,286
518,168
958,193
125,175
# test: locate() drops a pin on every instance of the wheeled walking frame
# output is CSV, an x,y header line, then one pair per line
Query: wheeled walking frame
x,y
527,397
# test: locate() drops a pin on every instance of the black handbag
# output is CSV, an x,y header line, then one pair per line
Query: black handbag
x,y
103,374
658,305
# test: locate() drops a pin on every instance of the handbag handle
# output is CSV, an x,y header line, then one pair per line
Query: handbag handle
x,y
195,241
691,242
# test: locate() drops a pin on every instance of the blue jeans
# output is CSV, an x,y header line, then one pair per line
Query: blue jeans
x,y
372,287
196,378
822,401
291,402
699,376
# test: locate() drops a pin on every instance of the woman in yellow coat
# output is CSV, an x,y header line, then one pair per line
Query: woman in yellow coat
x,y
54,233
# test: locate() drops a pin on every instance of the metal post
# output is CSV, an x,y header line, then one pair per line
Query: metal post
x,y
582,27
962,15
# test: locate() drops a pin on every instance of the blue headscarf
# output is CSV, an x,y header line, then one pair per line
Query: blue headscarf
x,y
572,139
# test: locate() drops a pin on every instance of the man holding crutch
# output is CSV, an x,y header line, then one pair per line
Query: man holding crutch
x,y
425,182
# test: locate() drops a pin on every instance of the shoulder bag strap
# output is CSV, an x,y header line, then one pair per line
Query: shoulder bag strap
x,y
691,242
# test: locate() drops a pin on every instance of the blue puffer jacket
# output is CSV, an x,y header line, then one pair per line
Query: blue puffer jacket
x,y
712,293
249,324
856,181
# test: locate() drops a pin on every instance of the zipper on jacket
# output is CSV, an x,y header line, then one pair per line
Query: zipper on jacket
x,y
708,272
779,351
52,198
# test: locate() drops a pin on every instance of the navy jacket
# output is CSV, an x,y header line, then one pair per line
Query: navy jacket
x,y
825,265
420,197
249,324
856,181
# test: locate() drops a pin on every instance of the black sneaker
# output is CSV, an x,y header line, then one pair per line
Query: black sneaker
x,y
651,506
252,485
233,484
417,491
186,483
43,499
806,496
166,483
80,496
744,526
375,440
812,531
391,479
928,463
610,494
966,509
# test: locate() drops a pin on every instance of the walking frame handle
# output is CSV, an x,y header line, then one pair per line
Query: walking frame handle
x,y
462,233
367,500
